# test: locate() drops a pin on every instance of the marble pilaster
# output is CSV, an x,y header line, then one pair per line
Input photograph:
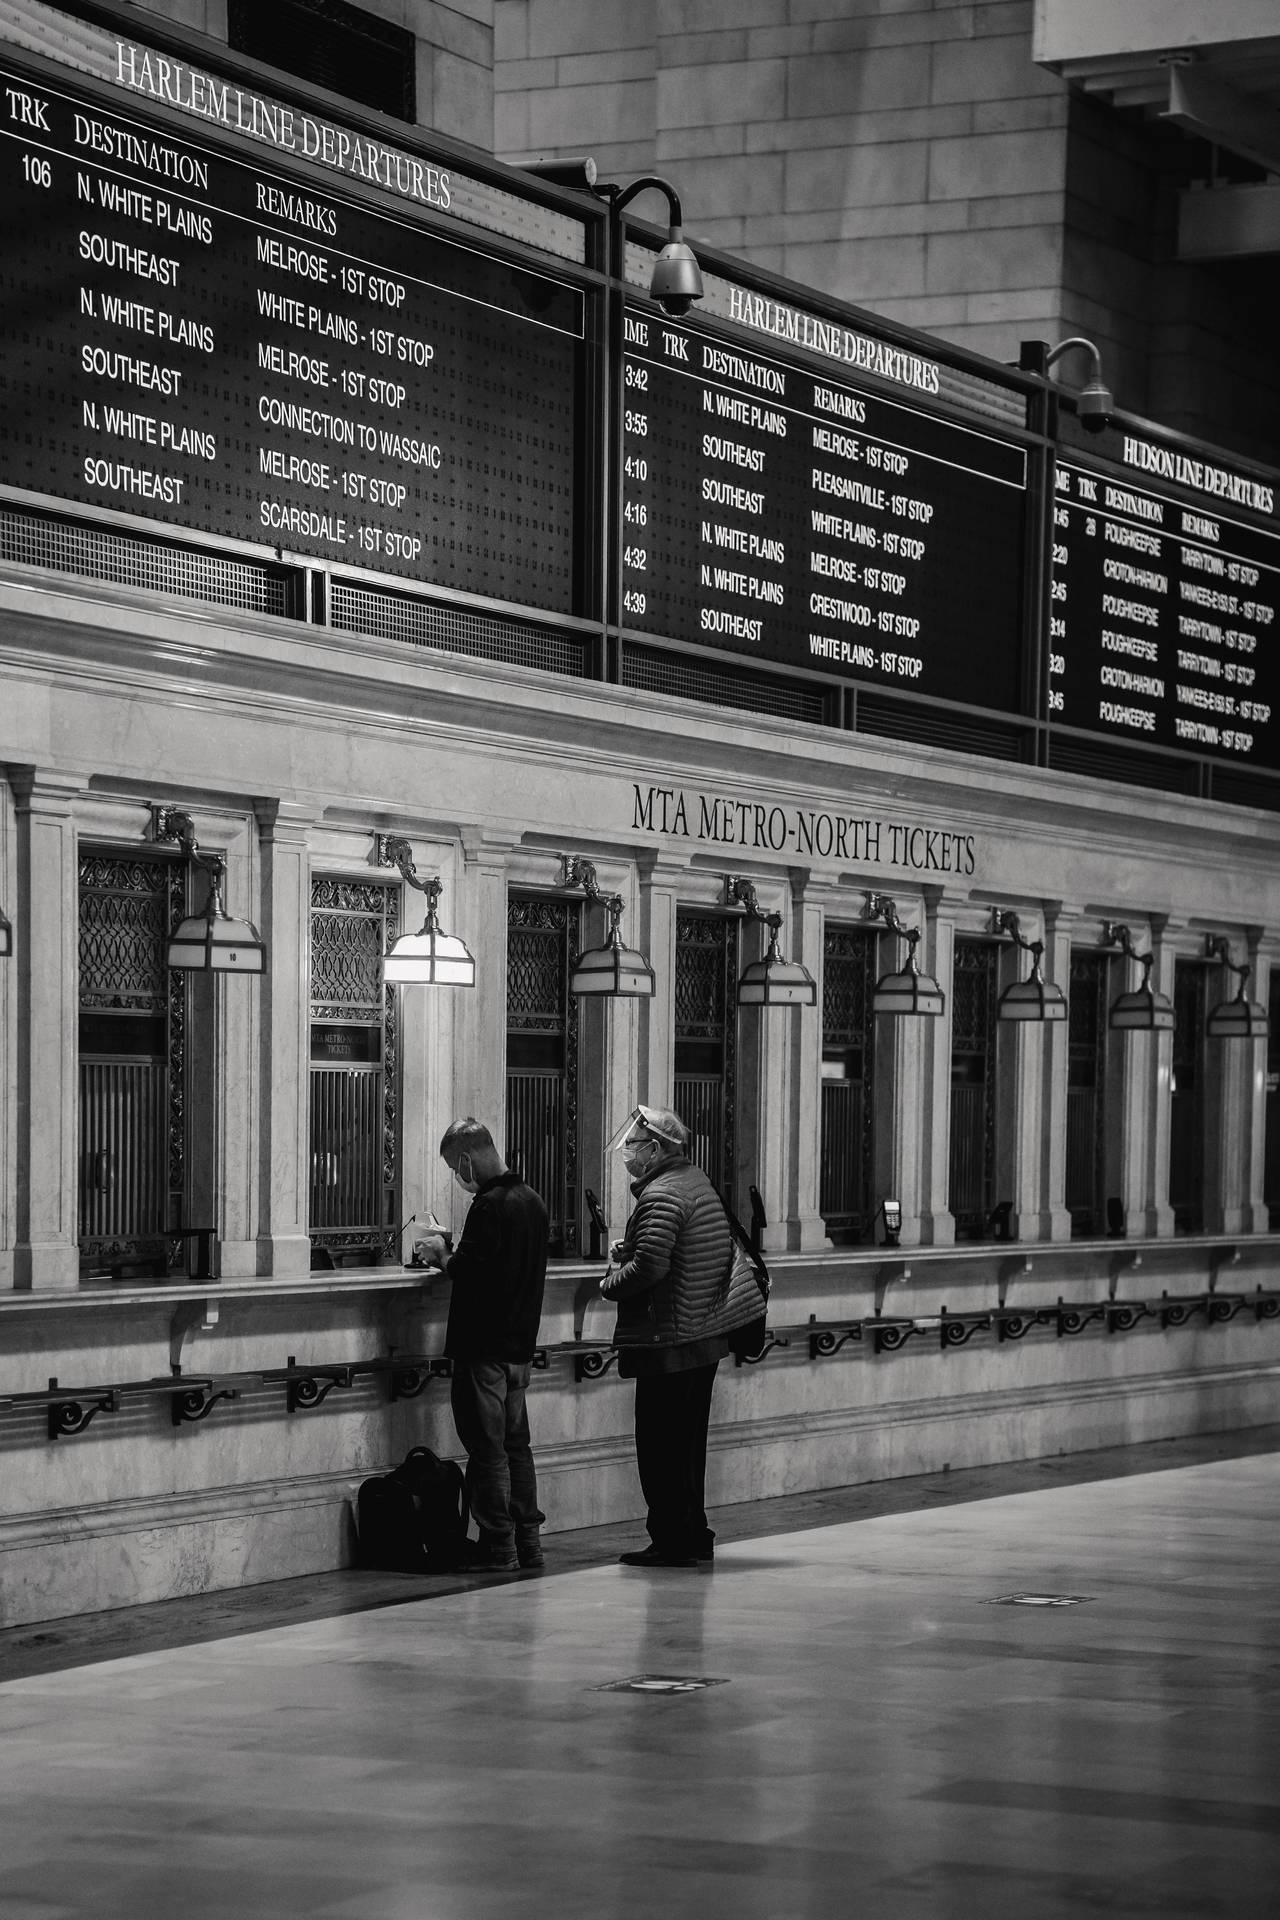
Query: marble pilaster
x,y
284,1245
45,916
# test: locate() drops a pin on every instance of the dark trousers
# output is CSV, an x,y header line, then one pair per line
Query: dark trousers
x,y
489,1411
673,1411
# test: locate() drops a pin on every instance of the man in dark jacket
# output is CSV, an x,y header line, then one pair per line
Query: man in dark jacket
x,y
498,1272
670,1275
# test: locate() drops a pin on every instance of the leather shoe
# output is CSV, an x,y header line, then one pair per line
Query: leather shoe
x,y
655,1557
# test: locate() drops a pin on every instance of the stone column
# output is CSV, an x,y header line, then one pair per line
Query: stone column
x,y
805,1228
1148,1071
1060,924
1235,1114
661,877
46,915
925,1096
479,914
283,1242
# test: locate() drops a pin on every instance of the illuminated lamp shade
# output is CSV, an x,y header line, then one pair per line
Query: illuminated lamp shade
x,y
212,942
6,938
621,972
1142,1010
430,957
775,982
908,992
1034,998
1238,1019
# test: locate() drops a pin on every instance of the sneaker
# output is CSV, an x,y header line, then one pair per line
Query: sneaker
x,y
655,1557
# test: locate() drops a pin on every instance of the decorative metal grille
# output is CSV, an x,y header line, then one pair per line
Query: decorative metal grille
x,y
1087,1092
101,553
1186,1106
424,623
544,936
354,1100
973,1105
850,957
706,1052
132,1102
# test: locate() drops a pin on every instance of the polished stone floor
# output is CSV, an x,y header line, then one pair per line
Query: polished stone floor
x,y
885,1738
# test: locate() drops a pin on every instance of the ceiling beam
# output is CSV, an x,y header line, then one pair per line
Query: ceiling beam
x,y
1229,223
1209,107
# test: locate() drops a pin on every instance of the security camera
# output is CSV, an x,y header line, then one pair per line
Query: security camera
x,y
677,281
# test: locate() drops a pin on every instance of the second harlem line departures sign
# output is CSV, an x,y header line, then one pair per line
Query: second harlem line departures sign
x,y
812,521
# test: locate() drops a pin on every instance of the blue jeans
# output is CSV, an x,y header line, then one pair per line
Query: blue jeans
x,y
489,1412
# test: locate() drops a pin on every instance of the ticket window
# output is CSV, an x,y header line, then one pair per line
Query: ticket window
x,y
972,1193
543,1084
1187,1097
849,970
354,1074
134,1028
706,1041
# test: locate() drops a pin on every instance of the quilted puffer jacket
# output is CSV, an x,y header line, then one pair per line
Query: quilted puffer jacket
x,y
675,1258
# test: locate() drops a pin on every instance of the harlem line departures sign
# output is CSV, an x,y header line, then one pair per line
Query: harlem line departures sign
x,y
243,349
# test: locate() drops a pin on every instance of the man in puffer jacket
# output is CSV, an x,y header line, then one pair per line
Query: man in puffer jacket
x,y
669,1272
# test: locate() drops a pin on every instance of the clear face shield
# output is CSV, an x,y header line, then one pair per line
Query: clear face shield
x,y
644,1124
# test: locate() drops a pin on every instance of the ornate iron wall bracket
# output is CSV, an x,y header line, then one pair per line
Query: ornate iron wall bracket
x,y
1223,1307
1177,1309
772,1340
73,1415
1122,1315
958,1328
1266,1306
409,1376
1074,1319
1013,1323
592,1363
828,1340
889,1335
307,1387
197,1399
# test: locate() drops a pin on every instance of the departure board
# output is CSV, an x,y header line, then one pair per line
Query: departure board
x,y
784,515
202,339
1163,610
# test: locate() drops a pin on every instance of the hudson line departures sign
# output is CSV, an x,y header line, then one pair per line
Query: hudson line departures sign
x,y
1165,591
204,338
811,520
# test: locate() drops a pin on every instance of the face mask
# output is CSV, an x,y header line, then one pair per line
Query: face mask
x,y
636,1155
465,1180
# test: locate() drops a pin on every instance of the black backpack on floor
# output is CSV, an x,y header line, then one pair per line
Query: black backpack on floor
x,y
413,1519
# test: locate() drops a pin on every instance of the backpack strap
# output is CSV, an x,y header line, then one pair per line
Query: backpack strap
x,y
743,1239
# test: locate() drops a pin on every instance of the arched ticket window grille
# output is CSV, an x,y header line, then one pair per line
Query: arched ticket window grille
x,y
133,1015
354,1073
544,939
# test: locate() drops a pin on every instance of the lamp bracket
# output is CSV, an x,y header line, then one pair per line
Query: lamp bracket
x,y
578,875
1004,920
176,827
742,893
880,907
1217,947
392,850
